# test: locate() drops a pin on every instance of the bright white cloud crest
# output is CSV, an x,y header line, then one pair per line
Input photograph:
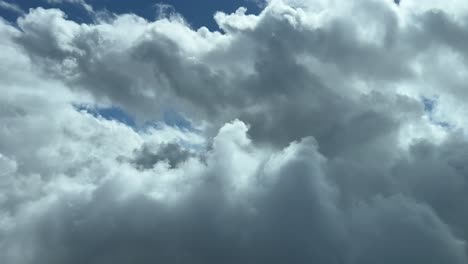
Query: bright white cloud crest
x,y
321,132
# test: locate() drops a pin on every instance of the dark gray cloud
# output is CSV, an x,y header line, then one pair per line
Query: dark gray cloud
x,y
171,153
331,157
289,213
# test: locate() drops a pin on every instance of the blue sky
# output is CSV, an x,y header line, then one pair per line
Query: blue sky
x,y
430,105
169,117
197,13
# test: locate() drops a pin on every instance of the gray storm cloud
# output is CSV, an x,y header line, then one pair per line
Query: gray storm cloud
x,y
312,140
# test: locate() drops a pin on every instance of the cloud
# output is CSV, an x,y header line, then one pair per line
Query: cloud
x,y
11,7
309,140
172,153
82,3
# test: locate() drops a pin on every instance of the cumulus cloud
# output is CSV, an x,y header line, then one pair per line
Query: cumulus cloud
x,y
311,140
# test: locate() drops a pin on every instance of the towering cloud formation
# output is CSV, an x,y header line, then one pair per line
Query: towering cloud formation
x,y
320,132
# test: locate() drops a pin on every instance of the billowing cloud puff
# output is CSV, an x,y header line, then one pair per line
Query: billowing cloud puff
x,y
313,132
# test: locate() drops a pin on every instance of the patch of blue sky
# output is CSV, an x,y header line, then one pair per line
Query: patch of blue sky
x,y
430,105
109,113
174,119
170,118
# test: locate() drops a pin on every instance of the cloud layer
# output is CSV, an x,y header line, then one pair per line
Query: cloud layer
x,y
320,132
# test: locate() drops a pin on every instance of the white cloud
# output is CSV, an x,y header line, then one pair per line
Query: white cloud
x,y
11,7
312,143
